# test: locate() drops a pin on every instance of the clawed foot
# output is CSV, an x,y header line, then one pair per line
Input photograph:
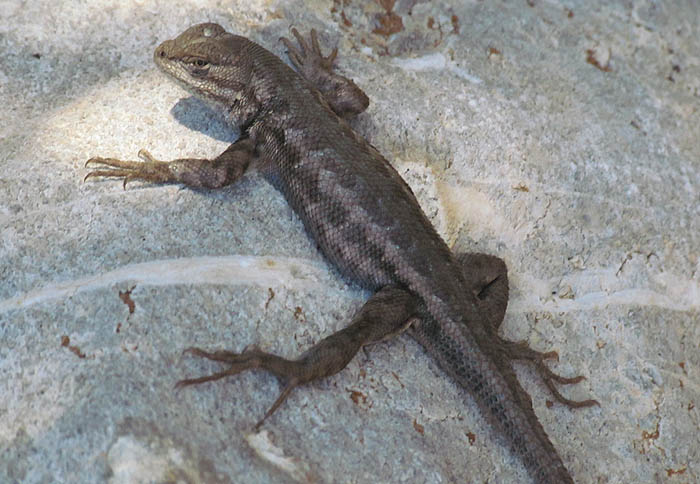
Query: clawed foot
x,y
521,351
239,362
149,169
342,94
308,59
251,357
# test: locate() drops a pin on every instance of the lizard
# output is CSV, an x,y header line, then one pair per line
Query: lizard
x,y
294,127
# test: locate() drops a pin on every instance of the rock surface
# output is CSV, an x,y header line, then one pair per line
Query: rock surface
x,y
563,139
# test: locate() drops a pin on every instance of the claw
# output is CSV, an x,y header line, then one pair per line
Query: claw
x,y
332,56
307,54
282,397
146,156
148,169
236,360
300,39
225,356
107,173
294,55
551,355
569,403
314,41
521,351
196,381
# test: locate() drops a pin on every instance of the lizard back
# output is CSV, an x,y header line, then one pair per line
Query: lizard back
x,y
361,213
368,222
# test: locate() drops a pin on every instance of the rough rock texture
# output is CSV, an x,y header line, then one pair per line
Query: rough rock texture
x,y
562,138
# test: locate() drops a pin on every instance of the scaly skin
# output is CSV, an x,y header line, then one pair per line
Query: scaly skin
x,y
366,221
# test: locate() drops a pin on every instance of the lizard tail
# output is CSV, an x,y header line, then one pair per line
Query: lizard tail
x,y
494,386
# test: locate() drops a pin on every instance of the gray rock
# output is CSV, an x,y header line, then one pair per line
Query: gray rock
x,y
563,139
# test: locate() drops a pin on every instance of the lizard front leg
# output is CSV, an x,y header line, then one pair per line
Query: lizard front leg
x,y
487,279
342,94
194,172
387,313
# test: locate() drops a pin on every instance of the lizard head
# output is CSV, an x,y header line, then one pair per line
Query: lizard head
x,y
214,66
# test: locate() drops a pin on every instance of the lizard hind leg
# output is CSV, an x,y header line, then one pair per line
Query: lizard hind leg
x,y
486,277
387,313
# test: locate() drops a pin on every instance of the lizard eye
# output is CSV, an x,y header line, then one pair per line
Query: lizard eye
x,y
198,67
